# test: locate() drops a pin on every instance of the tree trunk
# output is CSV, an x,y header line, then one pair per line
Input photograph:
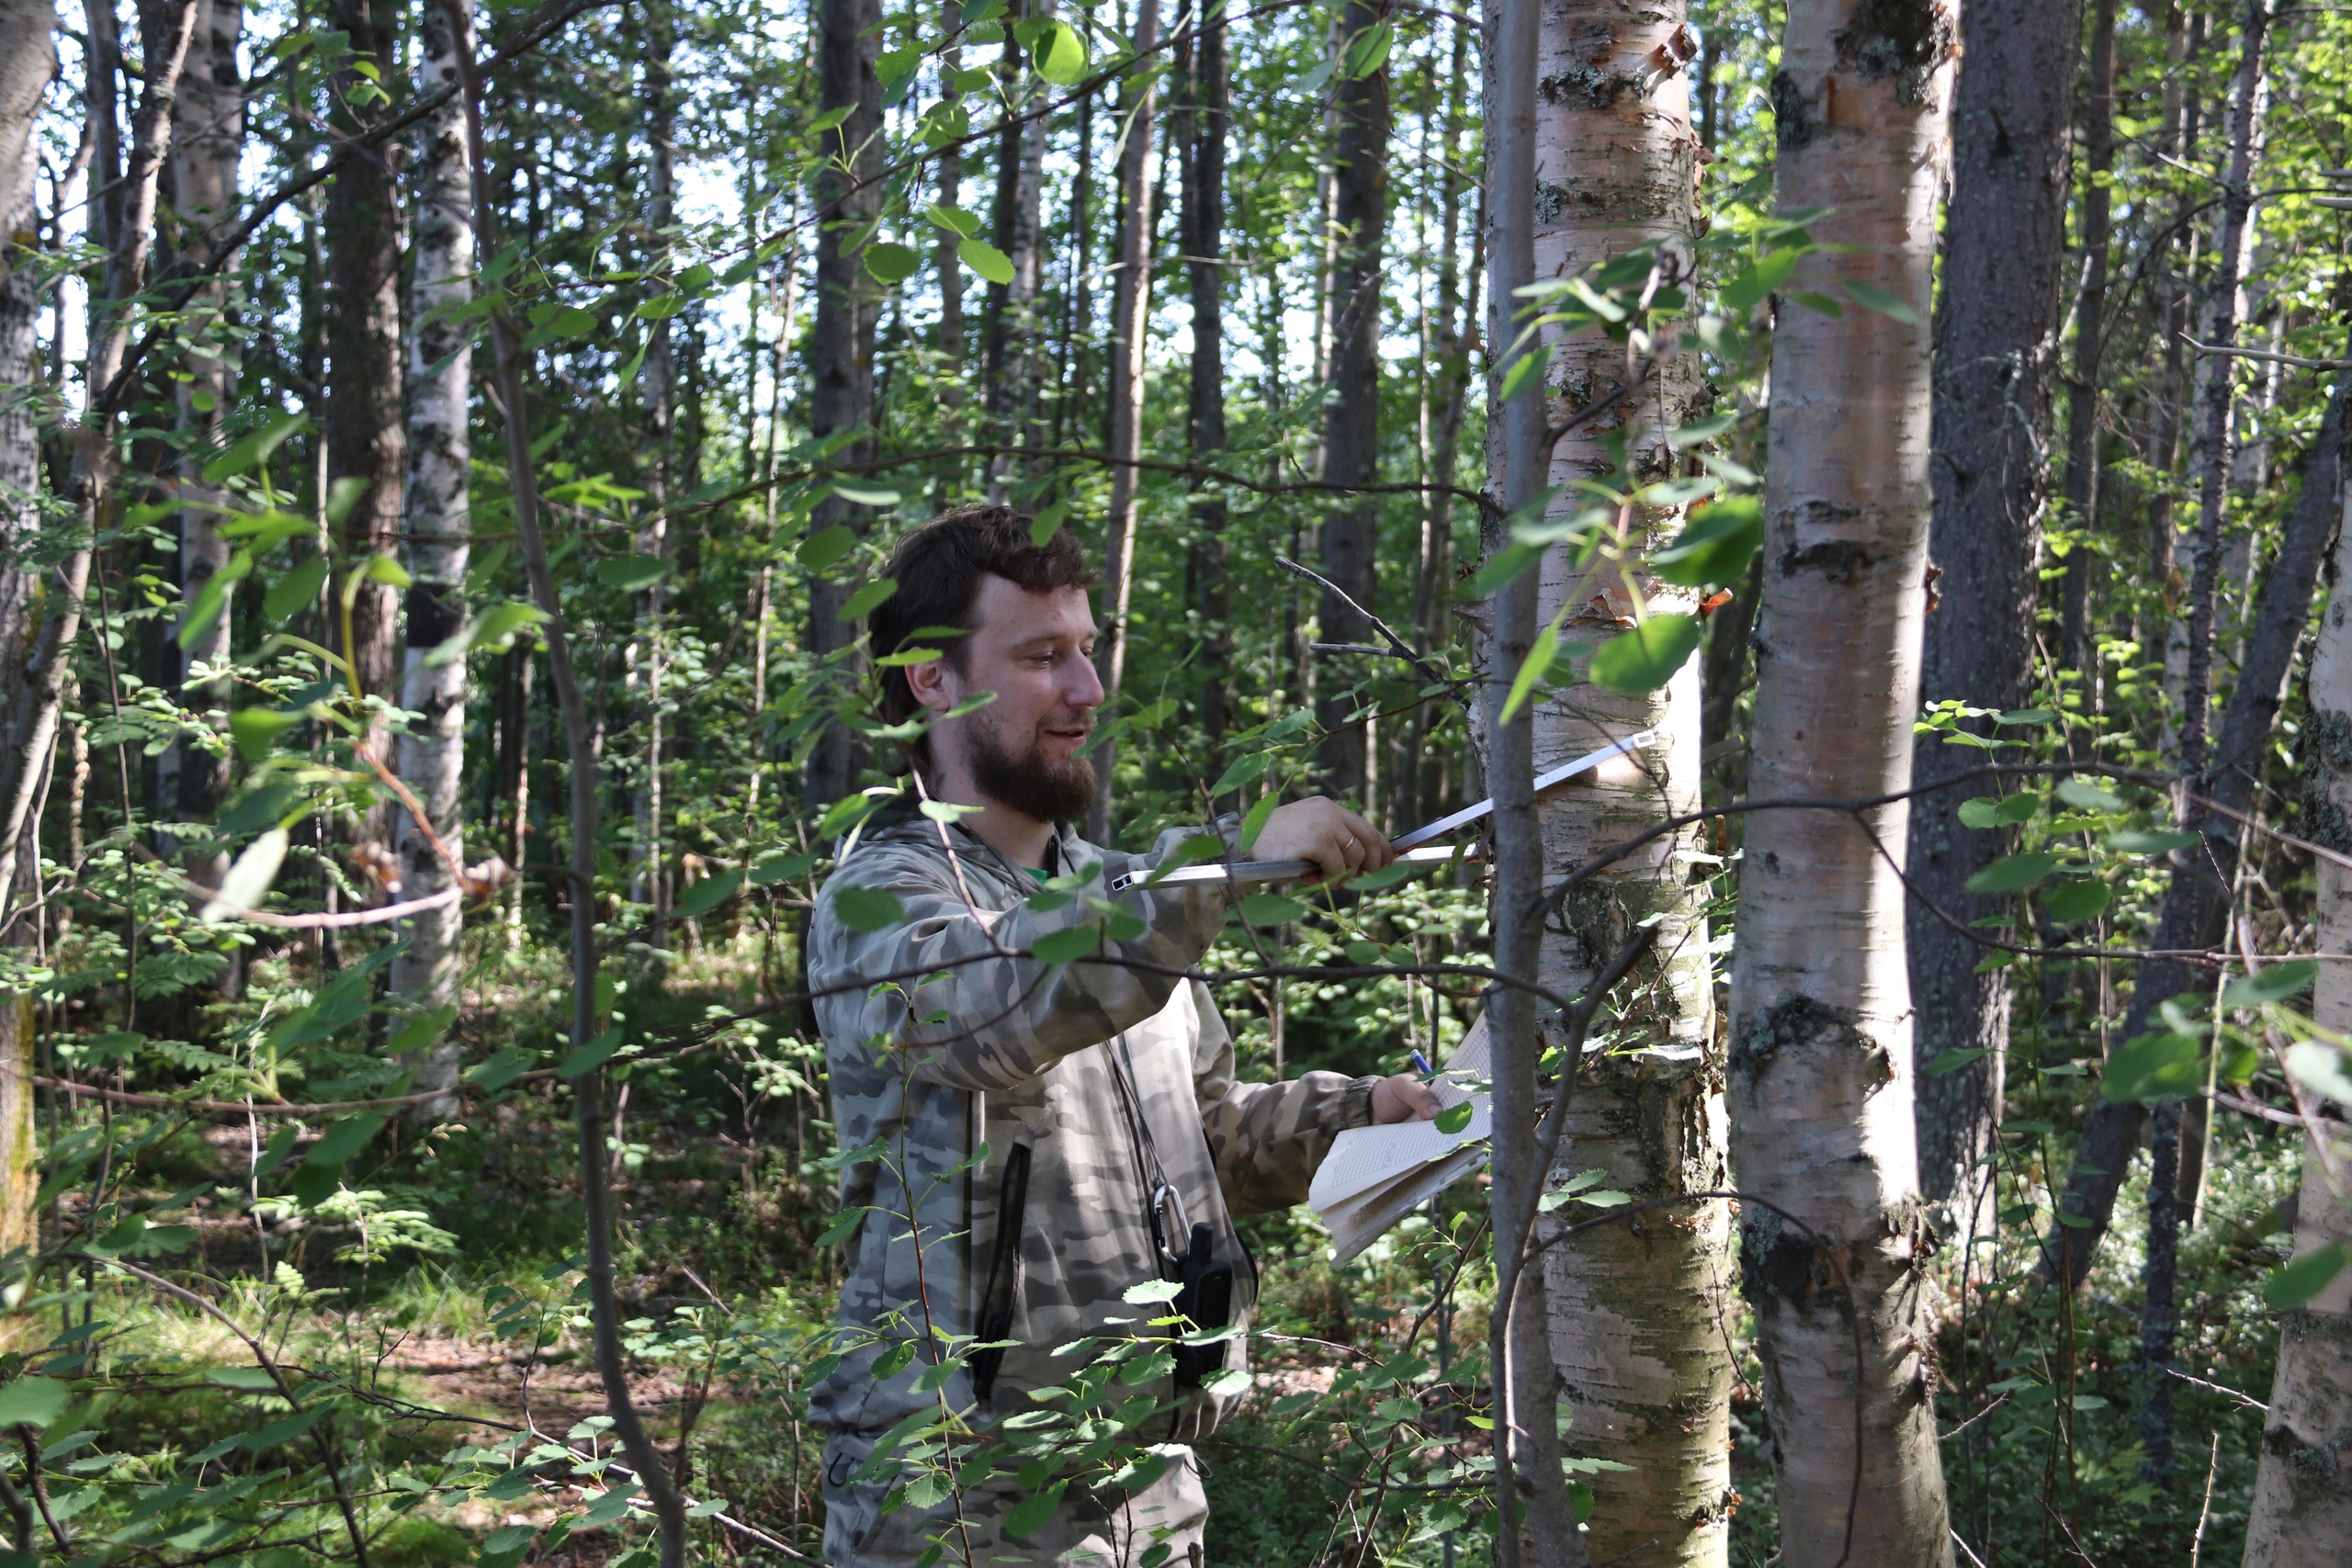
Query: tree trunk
x,y
27,55
367,434
1820,1073
38,686
2302,1511
1636,1311
440,364
2075,651
1995,355
1536,1522
1207,98
2159,1318
1352,428
1130,329
207,138
648,883
2196,902
841,342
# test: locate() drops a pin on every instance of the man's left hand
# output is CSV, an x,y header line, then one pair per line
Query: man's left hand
x,y
1402,1098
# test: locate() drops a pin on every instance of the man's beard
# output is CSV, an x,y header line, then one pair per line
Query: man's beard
x,y
1049,792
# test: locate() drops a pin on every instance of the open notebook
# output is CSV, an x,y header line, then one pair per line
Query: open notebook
x,y
1376,1175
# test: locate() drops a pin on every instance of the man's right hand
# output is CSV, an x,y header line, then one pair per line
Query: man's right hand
x,y
1340,844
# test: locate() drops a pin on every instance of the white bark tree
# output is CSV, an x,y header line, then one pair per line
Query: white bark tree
x,y
1637,1310
432,756
1820,1075
2302,1511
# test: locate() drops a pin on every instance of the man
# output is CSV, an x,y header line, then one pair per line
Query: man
x,y
1031,1141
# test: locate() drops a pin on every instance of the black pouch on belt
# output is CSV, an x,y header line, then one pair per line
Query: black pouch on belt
x,y
997,1301
1205,1298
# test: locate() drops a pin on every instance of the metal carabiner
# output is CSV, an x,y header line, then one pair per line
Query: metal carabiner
x,y
1161,1197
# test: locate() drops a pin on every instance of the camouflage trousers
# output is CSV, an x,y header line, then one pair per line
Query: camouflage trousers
x,y
1092,1529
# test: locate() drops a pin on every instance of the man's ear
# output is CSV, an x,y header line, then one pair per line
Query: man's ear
x,y
928,682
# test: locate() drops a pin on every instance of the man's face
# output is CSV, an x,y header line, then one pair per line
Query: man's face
x,y
1035,651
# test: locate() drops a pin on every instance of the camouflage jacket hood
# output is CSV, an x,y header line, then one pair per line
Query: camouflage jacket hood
x,y
944,1037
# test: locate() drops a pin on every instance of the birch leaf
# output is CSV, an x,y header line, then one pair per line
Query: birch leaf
x,y
249,878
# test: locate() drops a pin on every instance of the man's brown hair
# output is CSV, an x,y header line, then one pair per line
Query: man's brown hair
x,y
938,569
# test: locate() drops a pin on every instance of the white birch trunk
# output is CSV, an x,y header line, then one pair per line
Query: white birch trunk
x,y
432,756
2302,1511
1820,1071
1637,1311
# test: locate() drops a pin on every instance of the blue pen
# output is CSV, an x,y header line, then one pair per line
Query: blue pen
x,y
1421,1064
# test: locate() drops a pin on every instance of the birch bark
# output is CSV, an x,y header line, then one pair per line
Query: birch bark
x,y
432,755
1820,1076
1206,104
2302,1511
1636,1311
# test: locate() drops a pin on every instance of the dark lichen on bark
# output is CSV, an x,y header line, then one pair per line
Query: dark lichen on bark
x,y
1907,40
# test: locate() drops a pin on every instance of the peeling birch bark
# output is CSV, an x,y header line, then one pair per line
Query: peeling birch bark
x,y
1820,1076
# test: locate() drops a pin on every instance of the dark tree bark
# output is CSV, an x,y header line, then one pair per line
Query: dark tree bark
x,y
2090,343
2196,902
842,344
1351,431
1207,94
1996,330
367,434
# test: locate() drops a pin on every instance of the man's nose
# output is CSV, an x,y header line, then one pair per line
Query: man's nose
x,y
1082,687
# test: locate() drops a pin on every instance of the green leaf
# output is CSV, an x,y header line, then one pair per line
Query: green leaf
x,y
2029,717
265,806
1526,371
501,1069
2149,841
1271,909
495,629
343,1141
707,895
1067,946
2271,983
891,263
2070,903
1539,660
1035,1511
210,599
2085,796
986,260
385,570
1046,523
276,1432
1988,811
589,1057
1871,297
2320,1069
773,869
1151,1291
249,878
630,573
251,1379
2011,873
32,1401
1454,1118
1646,657
609,1509
254,449
867,598
867,908
295,591
1247,768
1955,1058
1760,277
2154,1066
819,550
954,220
1060,55
866,494
1254,822
1717,545
419,1031
2294,1283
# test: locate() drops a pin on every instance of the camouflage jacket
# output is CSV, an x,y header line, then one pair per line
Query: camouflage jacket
x,y
943,1038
